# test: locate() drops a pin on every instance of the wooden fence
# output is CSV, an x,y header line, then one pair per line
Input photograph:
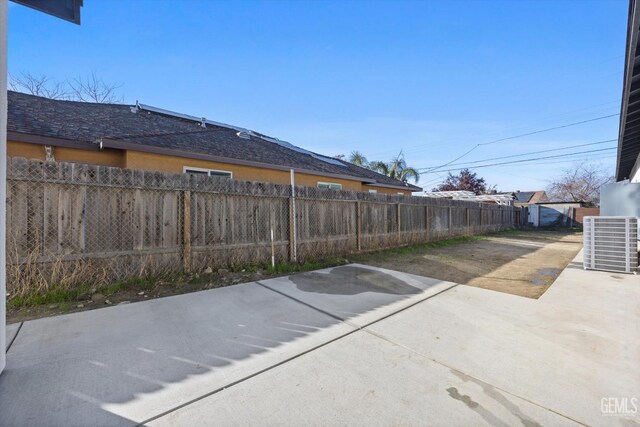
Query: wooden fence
x,y
70,223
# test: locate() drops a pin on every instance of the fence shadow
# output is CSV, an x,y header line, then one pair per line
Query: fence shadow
x,y
112,366
125,364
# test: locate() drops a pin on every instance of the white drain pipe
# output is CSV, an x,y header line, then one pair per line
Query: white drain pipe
x,y
295,231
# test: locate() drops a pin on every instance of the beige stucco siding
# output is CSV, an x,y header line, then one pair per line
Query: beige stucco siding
x,y
159,162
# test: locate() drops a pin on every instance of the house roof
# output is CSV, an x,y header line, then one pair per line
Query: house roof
x,y
526,196
143,128
629,132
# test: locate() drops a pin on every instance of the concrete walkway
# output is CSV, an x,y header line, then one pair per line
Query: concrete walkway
x,y
348,345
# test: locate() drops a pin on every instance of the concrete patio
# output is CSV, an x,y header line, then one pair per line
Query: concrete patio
x,y
348,345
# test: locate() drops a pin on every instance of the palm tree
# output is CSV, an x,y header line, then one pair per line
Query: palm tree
x,y
358,159
380,167
397,168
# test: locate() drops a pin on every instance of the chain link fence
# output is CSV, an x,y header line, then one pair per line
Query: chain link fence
x,y
71,223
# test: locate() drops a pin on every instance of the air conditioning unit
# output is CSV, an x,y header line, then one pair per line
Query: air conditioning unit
x,y
611,243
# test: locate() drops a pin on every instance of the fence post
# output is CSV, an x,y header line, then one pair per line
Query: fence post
x,y
572,212
186,231
426,221
358,226
481,229
450,221
293,250
292,233
466,218
398,220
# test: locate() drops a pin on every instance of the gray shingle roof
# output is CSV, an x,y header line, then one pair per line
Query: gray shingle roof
x,y
524,196
90,122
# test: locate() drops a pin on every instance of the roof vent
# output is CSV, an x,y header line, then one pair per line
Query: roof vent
x,y
135,108
244,134
203,123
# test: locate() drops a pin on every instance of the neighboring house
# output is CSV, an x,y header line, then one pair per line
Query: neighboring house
x,y
496,199
622,198
149,138
553,213
525,198
515,198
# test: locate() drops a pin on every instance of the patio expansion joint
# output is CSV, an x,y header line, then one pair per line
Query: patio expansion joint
x,y
464,374
344,320
268,368
333,316
12,340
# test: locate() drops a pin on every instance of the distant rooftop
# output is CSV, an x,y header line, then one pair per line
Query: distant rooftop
x,y
501,199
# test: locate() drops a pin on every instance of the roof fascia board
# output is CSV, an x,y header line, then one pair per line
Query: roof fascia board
x,y
47,140
399,187
632,40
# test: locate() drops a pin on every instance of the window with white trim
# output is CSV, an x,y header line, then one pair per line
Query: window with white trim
x,y
330,185
373,191
209,172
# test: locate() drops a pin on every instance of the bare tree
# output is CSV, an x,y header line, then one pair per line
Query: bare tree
x,y
87,89
94,89
39,85
580,183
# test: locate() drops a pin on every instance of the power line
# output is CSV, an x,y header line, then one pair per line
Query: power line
x,y
439,180
565,160
431,146
549,129
580,158
526,154
525,160
568,114
525,134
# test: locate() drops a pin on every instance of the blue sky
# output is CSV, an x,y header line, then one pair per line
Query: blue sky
x,y
433,78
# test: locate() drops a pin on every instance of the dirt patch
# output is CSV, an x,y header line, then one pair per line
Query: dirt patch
x,y
522,263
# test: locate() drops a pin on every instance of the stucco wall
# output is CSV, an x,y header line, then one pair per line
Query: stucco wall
x,y
159,162
149,161
635,174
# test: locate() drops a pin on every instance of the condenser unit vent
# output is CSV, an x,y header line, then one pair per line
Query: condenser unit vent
x,y
611,243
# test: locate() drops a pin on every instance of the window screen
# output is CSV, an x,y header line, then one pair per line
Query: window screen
x,y
210,172
330,185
